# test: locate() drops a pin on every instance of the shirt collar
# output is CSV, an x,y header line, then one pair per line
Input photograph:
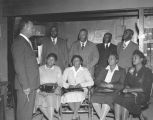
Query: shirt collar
x,y
107,44
49,68
27,39
127,42
80,68
108,68
83,43
54,39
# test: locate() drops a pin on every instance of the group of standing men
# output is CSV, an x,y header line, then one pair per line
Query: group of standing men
x,y
94,58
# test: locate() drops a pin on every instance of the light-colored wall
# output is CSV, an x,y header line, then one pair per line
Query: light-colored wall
x,y
26,7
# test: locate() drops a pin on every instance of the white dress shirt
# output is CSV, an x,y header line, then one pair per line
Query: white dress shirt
x,y
107,44
125,44
110,73
83,44
54,40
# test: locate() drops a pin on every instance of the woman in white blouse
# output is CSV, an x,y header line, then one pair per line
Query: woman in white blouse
x,y
50,74
108,83
76,77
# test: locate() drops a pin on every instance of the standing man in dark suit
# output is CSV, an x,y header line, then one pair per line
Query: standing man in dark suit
x,y
86,49
105,49
26,68
126,48
55,44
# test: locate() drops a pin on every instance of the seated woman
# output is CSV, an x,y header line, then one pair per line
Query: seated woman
x,y
50,76
76,77
108,83
137,88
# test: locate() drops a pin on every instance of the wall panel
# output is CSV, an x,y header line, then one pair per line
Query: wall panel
x,y
26,7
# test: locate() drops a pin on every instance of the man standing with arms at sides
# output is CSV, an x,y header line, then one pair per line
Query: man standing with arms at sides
x,y
86,49
126,48
105,49
56,45
26,68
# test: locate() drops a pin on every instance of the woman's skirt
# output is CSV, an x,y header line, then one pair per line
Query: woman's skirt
x,y
103,98
130,102
50,100
76,96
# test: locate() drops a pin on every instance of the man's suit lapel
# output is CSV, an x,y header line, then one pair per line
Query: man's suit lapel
x,y
87,45
102,47
58,42
27,44
129,45
78,45
111,46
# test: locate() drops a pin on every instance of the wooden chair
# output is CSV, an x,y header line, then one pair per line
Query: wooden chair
x,y
86,107
110,114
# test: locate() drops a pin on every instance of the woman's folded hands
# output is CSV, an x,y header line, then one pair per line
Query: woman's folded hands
x,y
106,85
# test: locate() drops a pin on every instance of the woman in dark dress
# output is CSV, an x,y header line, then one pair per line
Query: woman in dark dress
x,y
137,88
108,83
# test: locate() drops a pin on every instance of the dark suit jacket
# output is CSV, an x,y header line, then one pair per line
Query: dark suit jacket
x,y
117,79
103,55
89,54
60,49
25,63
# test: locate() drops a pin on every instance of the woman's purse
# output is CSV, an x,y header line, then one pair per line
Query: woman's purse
x,y
48,88
103,90
66,90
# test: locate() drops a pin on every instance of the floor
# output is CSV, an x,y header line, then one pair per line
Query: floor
x,y
148,113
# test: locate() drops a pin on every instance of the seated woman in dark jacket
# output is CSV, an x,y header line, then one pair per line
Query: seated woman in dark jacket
x,y
137,88
108,83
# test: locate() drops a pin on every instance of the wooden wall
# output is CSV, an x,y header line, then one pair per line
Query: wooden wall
x,y
26,7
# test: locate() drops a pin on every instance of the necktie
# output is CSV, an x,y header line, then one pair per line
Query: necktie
x,y
82,46
54,41
124,45
106,46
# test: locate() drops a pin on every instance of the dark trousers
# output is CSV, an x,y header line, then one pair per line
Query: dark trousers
x,y
25,107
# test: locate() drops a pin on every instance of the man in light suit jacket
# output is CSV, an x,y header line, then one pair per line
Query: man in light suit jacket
x,y
125,49
55,44
105,49
86,49
26,69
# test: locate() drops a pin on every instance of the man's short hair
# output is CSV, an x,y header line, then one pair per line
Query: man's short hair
x,y
132,32
83,29
108,33
23,22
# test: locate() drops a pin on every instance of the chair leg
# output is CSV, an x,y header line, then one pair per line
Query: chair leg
x,y
90,112
141,117
130,117
60,112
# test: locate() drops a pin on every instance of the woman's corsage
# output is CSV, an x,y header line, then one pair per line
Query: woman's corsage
x,y
131,71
